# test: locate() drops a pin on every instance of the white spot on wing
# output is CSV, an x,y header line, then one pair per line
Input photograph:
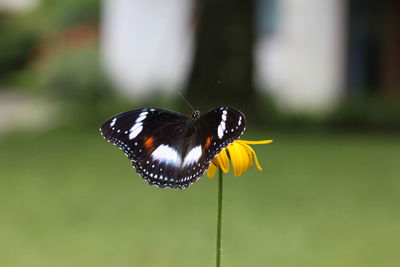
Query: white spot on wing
x,y
224,117
220,132
138,126
223,126
113,122
193,156
135,130
140,118
167,154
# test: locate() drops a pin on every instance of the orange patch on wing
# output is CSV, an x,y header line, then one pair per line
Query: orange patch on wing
x,y
149,142
208,142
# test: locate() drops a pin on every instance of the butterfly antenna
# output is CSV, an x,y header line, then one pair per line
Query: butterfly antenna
x,y
187,102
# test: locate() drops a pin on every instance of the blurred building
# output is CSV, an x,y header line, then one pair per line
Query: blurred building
x,y
18,5
308,54
300,55
147,45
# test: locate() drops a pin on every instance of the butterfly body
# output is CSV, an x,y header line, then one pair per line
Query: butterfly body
x,y
169,149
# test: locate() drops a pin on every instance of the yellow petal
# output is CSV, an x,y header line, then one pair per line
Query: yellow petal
x,y
239,161
255,157
232,155
250,157
234,152
255,142
212,169
240,155
244,159
224,161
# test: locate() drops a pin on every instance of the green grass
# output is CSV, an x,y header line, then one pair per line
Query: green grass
x,y
72,199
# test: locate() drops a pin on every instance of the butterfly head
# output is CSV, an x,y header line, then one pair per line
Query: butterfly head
x,y
195,114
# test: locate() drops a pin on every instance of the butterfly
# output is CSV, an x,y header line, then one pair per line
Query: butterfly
x,y
168,149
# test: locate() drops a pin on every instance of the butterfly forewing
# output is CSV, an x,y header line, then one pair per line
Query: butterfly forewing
x,y
151,138
168,149
218,128
130,130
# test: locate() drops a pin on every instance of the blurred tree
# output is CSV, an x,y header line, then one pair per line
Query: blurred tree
x,y
223,56
75,78
373,41
16,45
391,52
64,14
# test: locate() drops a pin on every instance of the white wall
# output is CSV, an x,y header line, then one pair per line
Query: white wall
x,y
302,62
18,5
147,45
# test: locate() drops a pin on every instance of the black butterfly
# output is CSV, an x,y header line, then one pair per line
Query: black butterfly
x,y
168,149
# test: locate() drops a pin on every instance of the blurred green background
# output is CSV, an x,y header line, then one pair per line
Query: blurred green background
x,y
329,192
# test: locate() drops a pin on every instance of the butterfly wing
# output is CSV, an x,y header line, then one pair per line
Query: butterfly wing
x,y
214,131
218,128
153,139
169,150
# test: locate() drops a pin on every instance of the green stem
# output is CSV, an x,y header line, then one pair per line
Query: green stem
x,y
219,218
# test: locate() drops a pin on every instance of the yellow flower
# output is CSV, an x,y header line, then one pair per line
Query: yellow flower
x,y
241,156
